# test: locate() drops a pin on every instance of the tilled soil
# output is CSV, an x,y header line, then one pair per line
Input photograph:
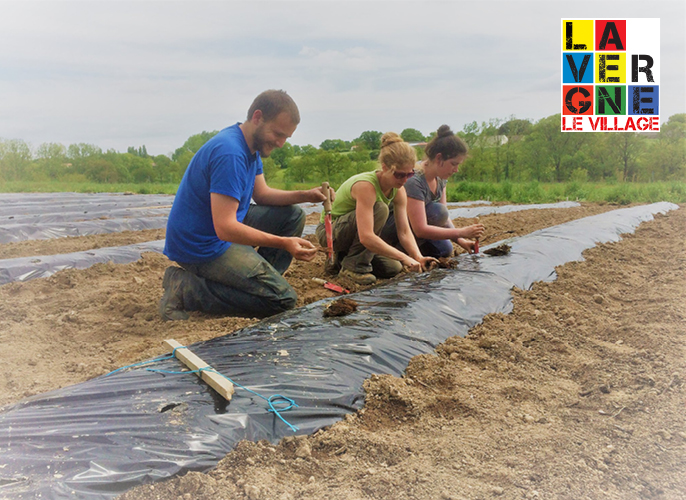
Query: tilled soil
x,y
578,393
70,244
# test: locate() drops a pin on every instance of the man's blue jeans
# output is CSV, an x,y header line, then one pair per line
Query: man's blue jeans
x,y
245,281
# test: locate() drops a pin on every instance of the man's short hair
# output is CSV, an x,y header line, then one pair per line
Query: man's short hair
x,y
272,103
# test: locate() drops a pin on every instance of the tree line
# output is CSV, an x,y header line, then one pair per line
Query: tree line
x,y
500,149
519,150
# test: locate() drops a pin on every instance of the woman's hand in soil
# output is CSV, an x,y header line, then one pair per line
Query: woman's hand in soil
x,y
411,265
428,263
466,244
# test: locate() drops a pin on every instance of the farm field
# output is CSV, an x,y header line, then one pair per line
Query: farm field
x,y
578,393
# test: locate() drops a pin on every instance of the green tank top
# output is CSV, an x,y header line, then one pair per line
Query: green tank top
x,y
344,202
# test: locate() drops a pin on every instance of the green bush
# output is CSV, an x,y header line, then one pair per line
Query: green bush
x,y
621,193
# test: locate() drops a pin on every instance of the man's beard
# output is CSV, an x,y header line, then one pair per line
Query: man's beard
x,y
260,144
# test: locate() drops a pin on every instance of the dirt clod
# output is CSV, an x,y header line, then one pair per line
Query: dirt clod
x,y
447,263
503,249
442,263
340,307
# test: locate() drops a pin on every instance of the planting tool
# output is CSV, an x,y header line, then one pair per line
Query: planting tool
x,y
476,242
329,265
331,286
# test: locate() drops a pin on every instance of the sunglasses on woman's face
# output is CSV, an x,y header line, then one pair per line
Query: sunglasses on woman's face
x,y
403,175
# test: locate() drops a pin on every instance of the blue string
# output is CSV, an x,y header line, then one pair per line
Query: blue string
x,y
276,399
150,361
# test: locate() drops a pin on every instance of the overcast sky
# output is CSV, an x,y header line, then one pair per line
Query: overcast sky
x,y
118,74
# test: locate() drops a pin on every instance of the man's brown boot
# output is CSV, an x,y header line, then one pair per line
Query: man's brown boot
x,y
171,304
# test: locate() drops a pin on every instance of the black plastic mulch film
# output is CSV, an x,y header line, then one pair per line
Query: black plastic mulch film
x,y
28,268
102,437
40,216
43,208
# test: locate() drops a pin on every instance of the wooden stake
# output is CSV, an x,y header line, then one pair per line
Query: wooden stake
x,y
220,384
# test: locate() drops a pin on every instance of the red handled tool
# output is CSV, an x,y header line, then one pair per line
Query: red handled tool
x,y
476,242
329,266
331,286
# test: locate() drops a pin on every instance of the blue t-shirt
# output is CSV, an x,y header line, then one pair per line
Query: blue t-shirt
x,y
223,165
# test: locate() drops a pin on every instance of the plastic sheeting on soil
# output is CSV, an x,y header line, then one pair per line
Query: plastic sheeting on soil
x,y
102,437
470,212
29,216
51,218
21,232
44,226
468,203
45,218
23,204
479,211
40,216
26,268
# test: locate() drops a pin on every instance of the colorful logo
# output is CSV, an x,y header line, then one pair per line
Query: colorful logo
x,y
610,75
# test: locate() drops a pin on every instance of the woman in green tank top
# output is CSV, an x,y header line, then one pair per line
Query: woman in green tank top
x,y
360,210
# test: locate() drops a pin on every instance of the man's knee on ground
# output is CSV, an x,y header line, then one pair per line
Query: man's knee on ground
x,y
285,300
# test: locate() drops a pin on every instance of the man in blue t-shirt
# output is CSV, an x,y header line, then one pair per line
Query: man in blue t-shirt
x,y
213,229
